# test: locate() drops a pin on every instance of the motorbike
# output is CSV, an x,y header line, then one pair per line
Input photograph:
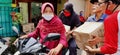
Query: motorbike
x,y
31,46
5,49
3,45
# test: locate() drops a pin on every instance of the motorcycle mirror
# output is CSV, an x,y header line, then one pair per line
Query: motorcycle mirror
x,y
15,30
51,37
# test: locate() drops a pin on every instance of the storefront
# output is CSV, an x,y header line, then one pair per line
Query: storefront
x,y
31,8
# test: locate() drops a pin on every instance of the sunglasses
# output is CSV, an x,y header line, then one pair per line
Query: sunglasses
x,y
100,3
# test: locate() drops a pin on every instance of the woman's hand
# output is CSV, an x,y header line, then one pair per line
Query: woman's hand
x,y
68,35
69,32
56,50
22,37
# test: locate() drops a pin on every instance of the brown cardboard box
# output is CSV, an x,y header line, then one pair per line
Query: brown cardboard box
x,y
86,32
27,28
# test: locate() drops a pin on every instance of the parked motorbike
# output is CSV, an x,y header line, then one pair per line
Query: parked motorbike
x,y
31,46
3,46
5,49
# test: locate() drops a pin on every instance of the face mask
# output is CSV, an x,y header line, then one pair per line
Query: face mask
x,y
47,17
67,14
108,12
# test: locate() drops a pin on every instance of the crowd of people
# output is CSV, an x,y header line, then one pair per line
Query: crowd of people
x,y
104,11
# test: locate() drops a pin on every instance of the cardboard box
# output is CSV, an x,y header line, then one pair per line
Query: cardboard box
x,y
67,28
27,28
86,32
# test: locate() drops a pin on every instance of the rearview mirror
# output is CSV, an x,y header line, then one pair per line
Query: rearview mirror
x,y
15,30
51,37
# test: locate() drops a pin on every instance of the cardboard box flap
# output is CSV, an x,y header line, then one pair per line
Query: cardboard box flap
x,y
88,27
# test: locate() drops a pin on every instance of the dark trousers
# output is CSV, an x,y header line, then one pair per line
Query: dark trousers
x,y
72,46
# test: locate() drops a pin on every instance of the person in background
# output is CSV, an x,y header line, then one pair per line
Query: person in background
x,y
111,31
36,19
99,12
82,19
70,18
50,23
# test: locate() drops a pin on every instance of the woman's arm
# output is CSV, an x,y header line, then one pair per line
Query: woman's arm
x,y
22,37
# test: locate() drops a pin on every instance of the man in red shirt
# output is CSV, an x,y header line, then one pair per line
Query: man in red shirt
x,y
112,31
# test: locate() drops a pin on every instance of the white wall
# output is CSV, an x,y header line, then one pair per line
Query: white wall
x,y
78,5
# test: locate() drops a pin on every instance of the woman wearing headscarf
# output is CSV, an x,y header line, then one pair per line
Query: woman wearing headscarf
x,y
50,23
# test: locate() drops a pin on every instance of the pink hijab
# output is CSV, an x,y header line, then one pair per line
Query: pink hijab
x,y
44,6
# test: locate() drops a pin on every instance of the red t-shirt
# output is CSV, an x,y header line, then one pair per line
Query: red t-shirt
x,y
111,37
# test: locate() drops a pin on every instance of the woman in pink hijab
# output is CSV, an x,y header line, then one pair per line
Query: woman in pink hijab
x,y
50,23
